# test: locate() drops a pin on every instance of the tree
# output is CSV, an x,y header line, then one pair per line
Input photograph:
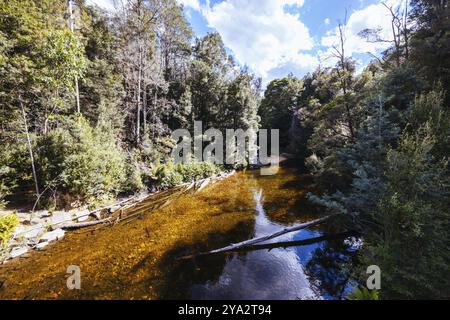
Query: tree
x,y
281,101
430,42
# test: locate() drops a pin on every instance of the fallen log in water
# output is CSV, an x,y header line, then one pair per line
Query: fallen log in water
x,y
73,226
305,242
243,244
284,244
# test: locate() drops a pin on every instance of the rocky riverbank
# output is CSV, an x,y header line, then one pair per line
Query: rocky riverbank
x,y
37,230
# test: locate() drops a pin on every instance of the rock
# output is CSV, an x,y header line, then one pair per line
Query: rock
x,y
23,216
35,221
54,235
42,245
60,218
34,232
18,251
43,214
82,216
32,242
18,231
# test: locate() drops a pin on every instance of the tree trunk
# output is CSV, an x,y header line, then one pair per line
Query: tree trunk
x,y
287,244
72,28
138,112
30,148
253,241
144,107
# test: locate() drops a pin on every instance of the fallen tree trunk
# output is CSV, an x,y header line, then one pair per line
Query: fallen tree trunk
x,y
285,244
297,243
253,241
73,226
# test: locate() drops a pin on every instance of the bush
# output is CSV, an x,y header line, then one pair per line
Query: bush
x,y
81,161
197,170
166,176
169,175
8,223
7,177
364,294
135,172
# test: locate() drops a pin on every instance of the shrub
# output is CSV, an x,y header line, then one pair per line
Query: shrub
x,y
7,177
135,172
197,170
364,294
81,161
166,176
169,175
8,223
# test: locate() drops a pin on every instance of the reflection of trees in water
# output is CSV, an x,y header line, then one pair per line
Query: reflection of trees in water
x,y
180,275
332,264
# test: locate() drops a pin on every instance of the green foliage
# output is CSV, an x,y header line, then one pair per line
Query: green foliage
x,y
8,223
81,161
8,178
415,220
280,101
169,175
399,197
62,59
364,294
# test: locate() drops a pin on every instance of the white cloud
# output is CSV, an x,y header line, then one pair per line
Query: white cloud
x,y
192,4
327,21
263,35
375,16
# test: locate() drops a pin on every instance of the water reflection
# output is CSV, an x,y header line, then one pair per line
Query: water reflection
x,y
312,271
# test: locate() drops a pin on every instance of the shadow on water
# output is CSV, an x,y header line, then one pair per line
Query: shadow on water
x,y
180,275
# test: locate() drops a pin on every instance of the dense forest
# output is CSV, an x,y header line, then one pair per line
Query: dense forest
x,y
89,99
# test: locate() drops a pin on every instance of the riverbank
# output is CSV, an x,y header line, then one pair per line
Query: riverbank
x,y
37,230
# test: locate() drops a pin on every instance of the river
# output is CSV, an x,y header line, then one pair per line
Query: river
x,y
140,259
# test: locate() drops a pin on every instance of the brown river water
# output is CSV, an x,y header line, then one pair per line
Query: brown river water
x,y
140,258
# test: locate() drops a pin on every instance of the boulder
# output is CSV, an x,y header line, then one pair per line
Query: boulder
x,y
42,245
18,251
81,216
36,220
54,235
33,232
60,218
23,216
42,214
18,231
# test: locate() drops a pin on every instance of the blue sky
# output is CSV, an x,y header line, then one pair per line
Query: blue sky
x,y
277,37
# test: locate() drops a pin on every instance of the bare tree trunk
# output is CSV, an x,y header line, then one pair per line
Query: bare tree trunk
x,y
72,28
138,112
344,84
254,241
405,31
77,95
30,148
144,107
155,102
